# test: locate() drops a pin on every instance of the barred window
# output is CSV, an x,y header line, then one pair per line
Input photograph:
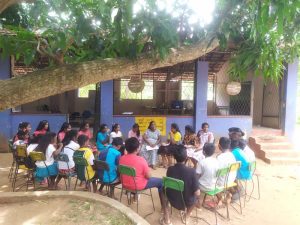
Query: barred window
x,y
125,93
83,92
187,90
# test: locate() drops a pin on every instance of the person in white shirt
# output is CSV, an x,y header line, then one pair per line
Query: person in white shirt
x,y
247,150
33,143
47,145
22,136
207,168
70,146
205,135
115,132
225,159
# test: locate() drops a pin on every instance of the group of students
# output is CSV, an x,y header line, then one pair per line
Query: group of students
x,y
140,151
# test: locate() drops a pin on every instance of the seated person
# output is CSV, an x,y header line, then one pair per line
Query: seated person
x,y
111,156
33,143
143,178
115,132
47,145
179,171
86,152
225,159
85,130
42,128
239,155
205,135
174,138
26,127
207,169
22,137
248,151
102,138
63,130
192,144
70,146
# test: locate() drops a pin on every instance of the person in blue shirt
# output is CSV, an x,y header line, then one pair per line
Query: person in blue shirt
x,y
102,138
244,172
111,156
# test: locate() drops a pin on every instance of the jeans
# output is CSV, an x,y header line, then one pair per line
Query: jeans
x,y
155,182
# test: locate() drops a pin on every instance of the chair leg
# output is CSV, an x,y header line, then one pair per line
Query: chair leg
x,y
258,186
14,180
152,200
137,202
75,183
240,202
121,194
65,179
245,197
69,183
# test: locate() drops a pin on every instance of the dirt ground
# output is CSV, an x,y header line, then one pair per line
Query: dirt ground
x,y
279,203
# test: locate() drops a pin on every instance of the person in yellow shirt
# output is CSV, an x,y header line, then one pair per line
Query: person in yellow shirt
x,y
86,152
174,138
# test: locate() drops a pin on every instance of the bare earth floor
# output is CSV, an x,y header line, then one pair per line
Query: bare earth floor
x,y
279,203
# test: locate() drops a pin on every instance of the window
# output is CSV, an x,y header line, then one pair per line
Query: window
x,y
187,90
83,92
210,91
125,93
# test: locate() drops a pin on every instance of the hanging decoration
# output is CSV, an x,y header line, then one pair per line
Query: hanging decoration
x,y
136,84
233,88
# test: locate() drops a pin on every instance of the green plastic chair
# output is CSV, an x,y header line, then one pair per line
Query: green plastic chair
x,y
64,158
178,185
13,164
130,171
221,173
81,169
252,169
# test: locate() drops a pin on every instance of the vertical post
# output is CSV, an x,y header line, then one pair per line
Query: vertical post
x,y
106,102
201,85
290,100
5,117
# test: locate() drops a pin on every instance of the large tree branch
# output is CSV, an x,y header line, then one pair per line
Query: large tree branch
x,y
4,4
44,83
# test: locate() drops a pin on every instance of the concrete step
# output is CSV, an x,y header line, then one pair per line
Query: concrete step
x,y
282,153
283,161
263,131
274,146
271,139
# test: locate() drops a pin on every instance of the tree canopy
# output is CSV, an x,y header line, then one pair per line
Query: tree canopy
x,y
265,35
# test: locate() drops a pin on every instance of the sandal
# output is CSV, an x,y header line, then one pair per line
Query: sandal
x,y
162,222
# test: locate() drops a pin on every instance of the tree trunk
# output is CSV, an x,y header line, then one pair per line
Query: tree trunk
x,y
52,81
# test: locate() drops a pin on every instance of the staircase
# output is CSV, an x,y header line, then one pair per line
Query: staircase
x,y
272,147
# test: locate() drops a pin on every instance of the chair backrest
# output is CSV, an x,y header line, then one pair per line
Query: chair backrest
x,y
101,165
174,184
81,167
37,156
235,166
127,170
252,167
62,158
10,145
222,172
21,151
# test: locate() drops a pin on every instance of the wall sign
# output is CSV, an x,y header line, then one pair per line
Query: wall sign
x,y
143,122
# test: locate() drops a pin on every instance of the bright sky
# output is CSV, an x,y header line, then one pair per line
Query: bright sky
x,y
202,9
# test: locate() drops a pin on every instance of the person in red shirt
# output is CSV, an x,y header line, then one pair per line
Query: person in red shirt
x,y
143,178
85,130
42,128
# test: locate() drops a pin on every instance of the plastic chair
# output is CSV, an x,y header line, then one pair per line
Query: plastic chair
x,y
21,158
129,171
252,169
64,158
81,170
101,167
13,164
221,173
233,168
39,156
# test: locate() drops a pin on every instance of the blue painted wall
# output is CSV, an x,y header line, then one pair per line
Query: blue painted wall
x,y
291,100
5,120
55,121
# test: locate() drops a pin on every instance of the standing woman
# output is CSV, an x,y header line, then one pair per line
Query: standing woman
x,y
63,130
102,138
152,140
115,132
42,128
46,146
174,138
135,132
85,130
